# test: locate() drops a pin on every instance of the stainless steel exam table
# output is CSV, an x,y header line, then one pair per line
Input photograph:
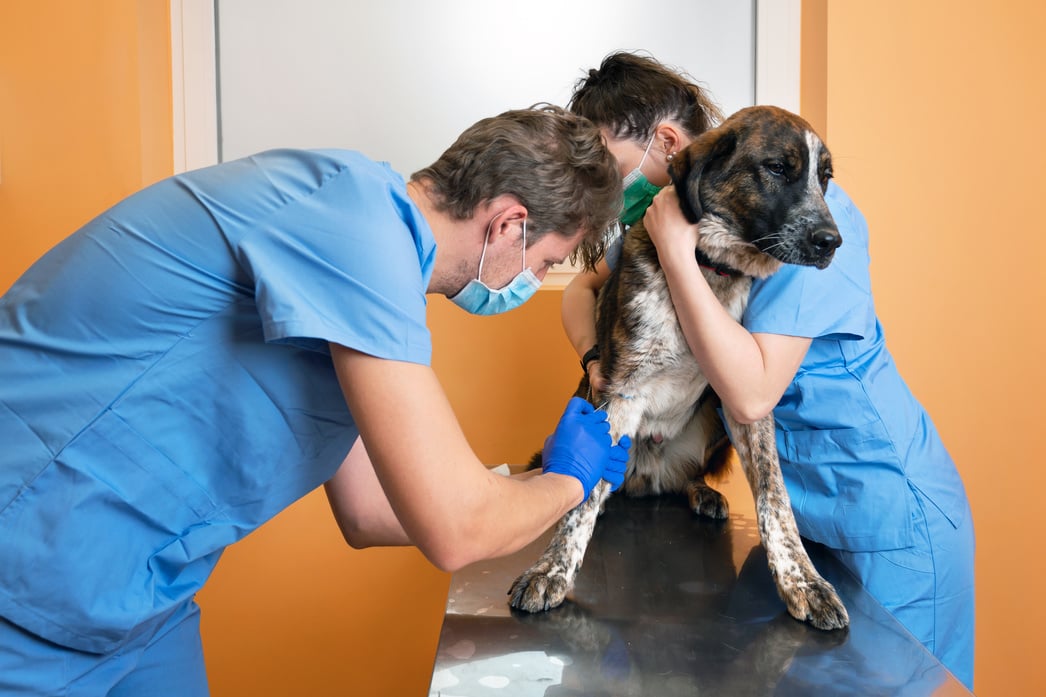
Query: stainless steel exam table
x,y
666,604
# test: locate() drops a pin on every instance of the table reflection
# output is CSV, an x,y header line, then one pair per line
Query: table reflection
x,y
668,603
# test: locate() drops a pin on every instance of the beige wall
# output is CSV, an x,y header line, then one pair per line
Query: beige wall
x,y
933,111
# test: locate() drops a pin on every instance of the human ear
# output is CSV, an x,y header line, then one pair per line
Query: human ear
x,y
670,140
508,220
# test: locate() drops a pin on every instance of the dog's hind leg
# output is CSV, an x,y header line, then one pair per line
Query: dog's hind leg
x,y
806,594
545,584
706,501
713,444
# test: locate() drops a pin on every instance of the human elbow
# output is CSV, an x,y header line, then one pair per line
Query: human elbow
x,y
356,536
447,557
452,547
749,411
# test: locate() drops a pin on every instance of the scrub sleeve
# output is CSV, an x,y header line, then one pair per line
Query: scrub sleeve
x,y
865,468
166,388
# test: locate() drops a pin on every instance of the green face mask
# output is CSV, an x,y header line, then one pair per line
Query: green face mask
x,y
639,192
638,196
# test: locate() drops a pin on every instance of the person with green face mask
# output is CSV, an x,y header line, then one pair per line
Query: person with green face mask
x,y
867,473
669,114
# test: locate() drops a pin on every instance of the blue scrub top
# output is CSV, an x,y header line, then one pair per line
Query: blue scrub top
x,y
854,442
165,384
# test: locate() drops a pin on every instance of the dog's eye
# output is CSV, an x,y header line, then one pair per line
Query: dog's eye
x,y
776,168
826,175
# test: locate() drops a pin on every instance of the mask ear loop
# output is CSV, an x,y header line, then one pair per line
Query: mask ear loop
x,y
637,171
483,254
647,151
524,250
479,271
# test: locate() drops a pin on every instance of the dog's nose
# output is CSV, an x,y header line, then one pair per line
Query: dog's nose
x,y
825,240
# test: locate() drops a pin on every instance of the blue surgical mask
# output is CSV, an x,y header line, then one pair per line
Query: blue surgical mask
x,y
639,192
479,299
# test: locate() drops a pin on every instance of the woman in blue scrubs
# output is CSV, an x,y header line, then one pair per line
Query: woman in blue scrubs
x,y
214,347
866,471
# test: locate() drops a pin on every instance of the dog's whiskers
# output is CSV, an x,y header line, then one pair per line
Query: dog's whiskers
x,y
781,244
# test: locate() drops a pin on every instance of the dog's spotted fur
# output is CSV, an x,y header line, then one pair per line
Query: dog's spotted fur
x,y
755,185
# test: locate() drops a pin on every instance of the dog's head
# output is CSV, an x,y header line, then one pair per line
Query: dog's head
x,y
761,177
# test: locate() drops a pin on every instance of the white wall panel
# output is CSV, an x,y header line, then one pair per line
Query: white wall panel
x,y
400,79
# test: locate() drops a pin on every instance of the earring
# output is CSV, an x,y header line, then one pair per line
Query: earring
x,y
670,156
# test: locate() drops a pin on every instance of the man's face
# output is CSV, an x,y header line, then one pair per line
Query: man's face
x,y
509,259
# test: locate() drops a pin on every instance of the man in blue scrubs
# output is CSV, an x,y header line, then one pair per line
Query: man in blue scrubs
x,y
219,344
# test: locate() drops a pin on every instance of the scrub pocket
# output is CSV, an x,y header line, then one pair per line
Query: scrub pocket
x,y
848,487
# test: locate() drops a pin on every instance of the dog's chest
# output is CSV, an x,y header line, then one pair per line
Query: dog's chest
x,y
648,329
655,365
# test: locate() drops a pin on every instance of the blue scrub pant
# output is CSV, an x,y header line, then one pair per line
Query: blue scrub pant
x,y
169,661
928,587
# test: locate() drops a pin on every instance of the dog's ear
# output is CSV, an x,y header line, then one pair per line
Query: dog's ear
x,y
690,164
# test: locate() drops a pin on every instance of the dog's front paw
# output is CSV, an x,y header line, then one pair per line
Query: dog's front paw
x,y
816,602
539,589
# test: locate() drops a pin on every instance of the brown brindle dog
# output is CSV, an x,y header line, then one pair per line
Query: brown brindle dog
x,y
755,186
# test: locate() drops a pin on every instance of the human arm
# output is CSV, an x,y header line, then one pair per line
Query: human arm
x,y
445,501
359,504
578,312
749,372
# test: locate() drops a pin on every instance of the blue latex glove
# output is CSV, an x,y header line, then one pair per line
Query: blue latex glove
x,y
581,447
615,470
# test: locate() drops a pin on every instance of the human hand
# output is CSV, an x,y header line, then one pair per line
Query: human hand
x,y
673,235
581,447
596,381
618,465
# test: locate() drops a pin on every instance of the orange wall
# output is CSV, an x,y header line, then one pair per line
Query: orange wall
x,y
935,119
933,111
85,103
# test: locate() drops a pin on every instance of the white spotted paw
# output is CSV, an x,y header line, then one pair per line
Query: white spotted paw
x,y
538,589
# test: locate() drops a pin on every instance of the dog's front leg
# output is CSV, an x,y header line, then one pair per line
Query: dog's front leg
x,y
545,584
807,595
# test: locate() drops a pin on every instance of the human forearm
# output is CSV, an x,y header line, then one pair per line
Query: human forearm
x,y
451,506
728,355
491,516
359,504
578,313
750,372
514,512
363,512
